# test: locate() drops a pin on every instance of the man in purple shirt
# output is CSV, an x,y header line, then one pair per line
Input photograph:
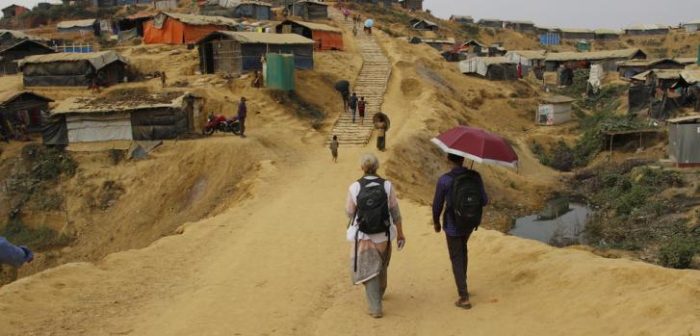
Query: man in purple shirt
x,y
242,114
14,255
457,235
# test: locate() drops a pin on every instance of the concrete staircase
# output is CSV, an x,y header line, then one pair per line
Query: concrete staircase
x,y
371,83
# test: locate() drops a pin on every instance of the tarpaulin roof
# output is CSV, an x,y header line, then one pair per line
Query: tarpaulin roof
x,y
558,99
647,63
429,23
607,32
660,74
315,26
691,76
490,20
141,15
20,34
530,54
202,20
264,38
528,22
8,96
475,42
41,45
312,2
646,27
463,17
76,23
448,40
686,60
575,30
87,105
257,3
97,59
592,55
690,118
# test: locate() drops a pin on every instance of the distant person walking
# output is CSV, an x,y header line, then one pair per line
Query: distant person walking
x,y
334,148
14,255
163,79
361,106
352,103
461,194
375,218
346,13
343,87
242,115
381,126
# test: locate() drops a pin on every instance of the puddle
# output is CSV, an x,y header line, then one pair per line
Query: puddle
x,y
566,229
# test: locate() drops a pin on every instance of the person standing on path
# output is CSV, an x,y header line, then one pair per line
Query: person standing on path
x,y
381,126
14,255
375,218
361,105
334,148
462,195
352,103
242,115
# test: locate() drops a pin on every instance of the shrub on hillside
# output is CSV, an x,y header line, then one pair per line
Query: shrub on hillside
x,y
678,252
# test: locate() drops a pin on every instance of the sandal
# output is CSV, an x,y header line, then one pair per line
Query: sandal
x,y
463,303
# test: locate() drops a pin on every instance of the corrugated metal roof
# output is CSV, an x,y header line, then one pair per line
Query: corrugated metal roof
x,y
97,59
76,23
87,105
592,55
202,20
8,96
315,26
264,38
530,54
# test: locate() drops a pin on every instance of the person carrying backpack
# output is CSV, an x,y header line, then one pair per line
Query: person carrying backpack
x,y
461,194
375,220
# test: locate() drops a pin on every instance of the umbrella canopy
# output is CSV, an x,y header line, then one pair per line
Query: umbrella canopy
x,y
477,145
369,23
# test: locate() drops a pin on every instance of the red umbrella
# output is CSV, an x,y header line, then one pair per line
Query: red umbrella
x,y
477,145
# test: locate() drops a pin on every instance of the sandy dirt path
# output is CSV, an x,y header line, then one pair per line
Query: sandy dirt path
x,y
278,265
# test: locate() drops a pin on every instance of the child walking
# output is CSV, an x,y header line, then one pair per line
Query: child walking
x,y
334,148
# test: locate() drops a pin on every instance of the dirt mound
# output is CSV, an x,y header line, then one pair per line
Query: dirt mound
x,y
410,87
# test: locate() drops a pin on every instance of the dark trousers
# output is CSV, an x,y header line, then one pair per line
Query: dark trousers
x,y
381,142
457,247
242,123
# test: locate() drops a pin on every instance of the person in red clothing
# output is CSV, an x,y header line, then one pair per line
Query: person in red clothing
x,y
361,105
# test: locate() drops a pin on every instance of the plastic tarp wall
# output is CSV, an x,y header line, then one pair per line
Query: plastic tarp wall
x,y
57,74
280,72
175,32
553,114
251,54
54,132
159,124
639,97
327,40
99,127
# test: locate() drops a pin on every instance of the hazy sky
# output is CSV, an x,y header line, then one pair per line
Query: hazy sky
x,y
562,13
573,13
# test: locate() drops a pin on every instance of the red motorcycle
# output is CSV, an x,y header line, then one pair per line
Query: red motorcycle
x,y
221,124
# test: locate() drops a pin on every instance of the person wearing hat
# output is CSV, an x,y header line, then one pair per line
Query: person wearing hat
x,y
242,114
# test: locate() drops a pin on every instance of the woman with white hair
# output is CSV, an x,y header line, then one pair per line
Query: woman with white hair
x,y
375,221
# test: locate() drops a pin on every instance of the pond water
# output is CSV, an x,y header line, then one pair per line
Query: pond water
x,y
564,230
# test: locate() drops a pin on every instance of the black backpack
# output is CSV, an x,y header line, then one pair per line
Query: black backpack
x,y
373,207
467,199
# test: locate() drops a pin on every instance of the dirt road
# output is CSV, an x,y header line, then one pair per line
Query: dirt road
x,y
278,264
